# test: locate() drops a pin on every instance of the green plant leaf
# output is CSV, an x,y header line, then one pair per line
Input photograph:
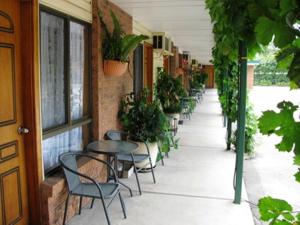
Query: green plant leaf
x,y
287,6
296,43
265,30
130,42
294,71
297,176
297,160
271,208
284,35
282,124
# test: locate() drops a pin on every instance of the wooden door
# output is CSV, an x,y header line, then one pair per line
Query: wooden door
x,y
209,69
148,62
13,187
166,64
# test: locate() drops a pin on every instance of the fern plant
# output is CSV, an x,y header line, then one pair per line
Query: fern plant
x,y
117,45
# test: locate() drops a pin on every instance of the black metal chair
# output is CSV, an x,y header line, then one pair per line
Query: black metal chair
x,y
133,158
90,189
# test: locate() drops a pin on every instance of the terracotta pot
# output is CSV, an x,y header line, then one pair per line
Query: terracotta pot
x,y
114,68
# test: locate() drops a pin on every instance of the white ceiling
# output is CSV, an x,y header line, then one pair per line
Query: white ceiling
x,y
187,22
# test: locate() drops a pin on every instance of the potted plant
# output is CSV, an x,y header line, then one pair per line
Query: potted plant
x,y
169,91
199,80
145,121
116,47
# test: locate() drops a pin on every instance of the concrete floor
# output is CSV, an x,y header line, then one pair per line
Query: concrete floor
x,y
271,172
193,188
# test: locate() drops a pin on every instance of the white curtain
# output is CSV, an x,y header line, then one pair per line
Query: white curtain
x,y
52,71
53,85
52,147
77,69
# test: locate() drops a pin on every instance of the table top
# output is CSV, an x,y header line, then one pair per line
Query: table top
x,y
112,147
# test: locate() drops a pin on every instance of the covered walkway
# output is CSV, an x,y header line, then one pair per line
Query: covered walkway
x,y
195,186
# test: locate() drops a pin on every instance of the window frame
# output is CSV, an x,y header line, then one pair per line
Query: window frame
x,y
86,119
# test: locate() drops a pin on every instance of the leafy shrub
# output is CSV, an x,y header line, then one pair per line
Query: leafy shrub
x,y
198,80
143,119
267,74
251,128
169,90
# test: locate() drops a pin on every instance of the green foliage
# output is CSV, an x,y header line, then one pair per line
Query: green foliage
x,y
169,90
267,74
277,212
250,130
258,23
116,45
198,80
282,124
228,92
143,119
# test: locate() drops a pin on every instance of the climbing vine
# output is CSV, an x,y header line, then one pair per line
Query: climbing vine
x,y
229,28
258,23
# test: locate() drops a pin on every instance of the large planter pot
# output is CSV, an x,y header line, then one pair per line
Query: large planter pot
x,y
174,116
114,68
142,149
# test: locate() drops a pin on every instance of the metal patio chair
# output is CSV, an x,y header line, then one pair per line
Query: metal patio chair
x,y
132,158
91,189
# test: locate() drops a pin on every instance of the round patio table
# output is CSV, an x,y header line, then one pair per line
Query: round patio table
x,y
113,148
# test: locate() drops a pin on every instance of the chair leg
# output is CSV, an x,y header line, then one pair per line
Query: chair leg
x,y
161,156
80,204
66,209
105,211
123,205
92,204
167,154
136,174
152,171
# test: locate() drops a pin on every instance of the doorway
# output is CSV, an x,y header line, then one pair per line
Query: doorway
x,y
13,181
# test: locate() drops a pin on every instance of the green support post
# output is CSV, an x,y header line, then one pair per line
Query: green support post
x,y
241,122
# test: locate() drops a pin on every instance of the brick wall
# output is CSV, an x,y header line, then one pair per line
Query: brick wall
x,y
174,60
250,76
107,93
108,90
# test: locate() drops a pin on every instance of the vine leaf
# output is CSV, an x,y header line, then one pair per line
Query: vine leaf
x,y
264,30
272,208
287,6
297,177
294,71
282,124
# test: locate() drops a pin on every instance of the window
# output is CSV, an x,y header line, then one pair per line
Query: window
x,y
138,69
65,85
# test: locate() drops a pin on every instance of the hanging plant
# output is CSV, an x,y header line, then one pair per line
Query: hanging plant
x,y
117,46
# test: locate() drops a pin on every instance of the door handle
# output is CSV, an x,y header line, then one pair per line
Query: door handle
x,y
23,130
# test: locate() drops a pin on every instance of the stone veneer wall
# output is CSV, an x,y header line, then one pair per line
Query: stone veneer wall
x,y
107,93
